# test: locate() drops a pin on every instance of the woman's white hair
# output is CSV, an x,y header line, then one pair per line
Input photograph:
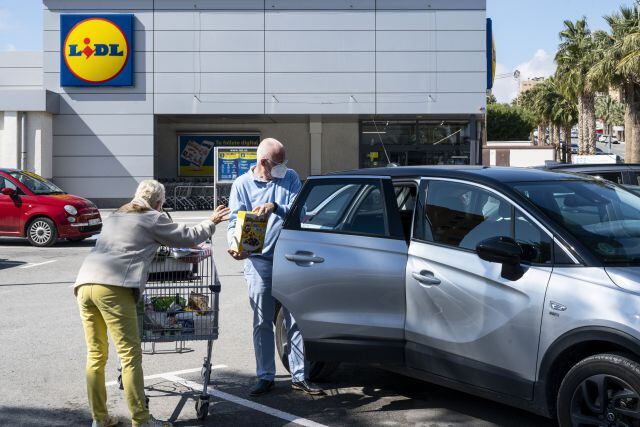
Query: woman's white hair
x,y
151,191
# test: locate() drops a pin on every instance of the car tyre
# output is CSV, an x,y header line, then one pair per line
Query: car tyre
x,y
42,232
611,379
318,371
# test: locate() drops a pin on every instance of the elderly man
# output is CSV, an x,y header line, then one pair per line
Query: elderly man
x,y
268,189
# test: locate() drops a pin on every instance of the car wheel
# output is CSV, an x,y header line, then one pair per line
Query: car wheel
x,y
318,371
601,390
42,232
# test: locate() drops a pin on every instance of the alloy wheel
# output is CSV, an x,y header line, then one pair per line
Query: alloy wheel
x,y
605,400
40,232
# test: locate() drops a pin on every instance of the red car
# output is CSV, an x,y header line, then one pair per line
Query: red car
x,y
32,207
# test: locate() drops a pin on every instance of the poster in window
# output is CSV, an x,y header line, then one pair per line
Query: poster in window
x,y
234,162
196,152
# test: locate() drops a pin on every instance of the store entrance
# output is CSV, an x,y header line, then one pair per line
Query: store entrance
x,y
415,143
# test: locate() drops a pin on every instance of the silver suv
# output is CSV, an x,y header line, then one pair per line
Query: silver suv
x,y
518,285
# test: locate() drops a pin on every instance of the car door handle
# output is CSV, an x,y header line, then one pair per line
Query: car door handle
x,y
304,258
426,278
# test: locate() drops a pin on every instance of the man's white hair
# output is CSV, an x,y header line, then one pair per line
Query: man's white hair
x,y
268,147
151,191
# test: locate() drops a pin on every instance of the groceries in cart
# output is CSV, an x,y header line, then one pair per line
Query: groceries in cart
x,y
249,233
166,316
177,300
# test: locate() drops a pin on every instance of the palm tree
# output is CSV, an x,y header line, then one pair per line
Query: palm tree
x,y
526,101
610,112
574,59
619,66
565,114
546,97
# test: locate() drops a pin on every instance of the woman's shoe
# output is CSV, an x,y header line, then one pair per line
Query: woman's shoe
x,y
108,421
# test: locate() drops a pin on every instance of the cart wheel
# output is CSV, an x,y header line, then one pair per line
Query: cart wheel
x,y
120,385
202,407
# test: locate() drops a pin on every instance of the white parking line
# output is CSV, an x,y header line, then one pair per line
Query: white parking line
x,y
247,403
185,371
37,264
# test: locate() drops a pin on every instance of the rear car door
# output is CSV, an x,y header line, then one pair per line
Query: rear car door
x,y
11,209
464,320
339,267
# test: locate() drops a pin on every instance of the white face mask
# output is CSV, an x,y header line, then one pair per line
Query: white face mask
x,y
279,170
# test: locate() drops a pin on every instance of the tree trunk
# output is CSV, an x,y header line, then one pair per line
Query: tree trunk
x,y
628,122
635,124
580,126
541,134
566,158
588,103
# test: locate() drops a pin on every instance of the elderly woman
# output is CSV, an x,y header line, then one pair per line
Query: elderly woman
x,y
109,283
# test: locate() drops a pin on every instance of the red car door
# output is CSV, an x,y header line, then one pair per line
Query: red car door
x,y
11,208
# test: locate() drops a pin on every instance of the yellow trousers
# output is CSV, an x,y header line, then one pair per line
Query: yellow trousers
x,y
112,308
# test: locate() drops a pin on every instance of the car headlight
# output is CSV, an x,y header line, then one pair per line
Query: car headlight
x,y
71,210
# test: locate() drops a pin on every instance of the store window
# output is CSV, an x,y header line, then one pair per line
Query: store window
x,y
413,143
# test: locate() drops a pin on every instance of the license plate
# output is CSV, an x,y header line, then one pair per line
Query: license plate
x,y
95,221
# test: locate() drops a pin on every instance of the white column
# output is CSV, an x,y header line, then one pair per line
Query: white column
x,y
315,132
10,134
40,143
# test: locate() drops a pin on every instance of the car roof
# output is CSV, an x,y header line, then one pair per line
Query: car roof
x,y
491,173
595,166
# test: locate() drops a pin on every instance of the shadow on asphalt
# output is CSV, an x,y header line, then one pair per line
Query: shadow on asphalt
x,y
6,263
15,242
53,417
357,395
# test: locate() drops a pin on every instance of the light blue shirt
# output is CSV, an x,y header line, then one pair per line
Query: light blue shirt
x,y
248,192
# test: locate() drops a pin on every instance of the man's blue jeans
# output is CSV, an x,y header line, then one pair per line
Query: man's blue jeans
x,y
258,274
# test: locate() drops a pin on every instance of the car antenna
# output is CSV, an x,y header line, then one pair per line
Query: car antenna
x,y
382,143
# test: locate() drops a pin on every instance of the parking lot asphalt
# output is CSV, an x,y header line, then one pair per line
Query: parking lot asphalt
x,y
43,357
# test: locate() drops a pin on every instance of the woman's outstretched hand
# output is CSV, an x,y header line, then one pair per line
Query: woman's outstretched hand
x,y
220,214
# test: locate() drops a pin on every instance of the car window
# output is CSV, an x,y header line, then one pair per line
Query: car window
x,y
602,216
5,183
406,197
462,215
325,205
609,176
536,244
345,208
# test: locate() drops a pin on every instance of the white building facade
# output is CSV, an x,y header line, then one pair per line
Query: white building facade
x,y
334,80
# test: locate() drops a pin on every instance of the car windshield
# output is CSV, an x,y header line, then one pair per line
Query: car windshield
x,y
603,216
36,183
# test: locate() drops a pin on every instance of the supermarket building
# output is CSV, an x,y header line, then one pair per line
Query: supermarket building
x,y
124,88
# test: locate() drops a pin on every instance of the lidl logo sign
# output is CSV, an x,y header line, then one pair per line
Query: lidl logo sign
x,y
96,50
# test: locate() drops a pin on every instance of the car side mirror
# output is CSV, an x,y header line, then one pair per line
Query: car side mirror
x,y
8,191
505,251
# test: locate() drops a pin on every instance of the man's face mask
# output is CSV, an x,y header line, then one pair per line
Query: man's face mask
x,y
278,170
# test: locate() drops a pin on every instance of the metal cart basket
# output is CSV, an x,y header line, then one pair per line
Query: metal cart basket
x,y
180,304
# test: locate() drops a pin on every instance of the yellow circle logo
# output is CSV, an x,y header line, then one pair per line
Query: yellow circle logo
x,y
96,50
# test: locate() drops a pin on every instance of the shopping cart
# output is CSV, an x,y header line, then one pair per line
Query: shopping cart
x,y
180,304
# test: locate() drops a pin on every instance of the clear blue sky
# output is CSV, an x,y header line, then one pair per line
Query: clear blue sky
x,y
521,27
20,25
526,31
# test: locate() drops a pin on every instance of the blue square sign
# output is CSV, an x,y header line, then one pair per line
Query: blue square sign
x,y
96,50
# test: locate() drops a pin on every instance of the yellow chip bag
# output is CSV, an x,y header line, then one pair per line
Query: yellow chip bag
x,y
250,232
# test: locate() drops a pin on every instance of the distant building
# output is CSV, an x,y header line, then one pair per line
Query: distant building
x,y
530,83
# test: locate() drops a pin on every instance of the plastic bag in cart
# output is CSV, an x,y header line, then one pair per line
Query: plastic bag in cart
x,y
192,255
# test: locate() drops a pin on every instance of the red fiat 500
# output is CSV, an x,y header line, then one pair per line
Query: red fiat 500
x,y
32,207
